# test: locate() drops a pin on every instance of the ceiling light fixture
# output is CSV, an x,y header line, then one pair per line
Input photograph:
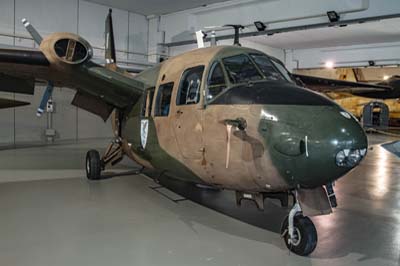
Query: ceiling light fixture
x,y
333,16
260,26
329,64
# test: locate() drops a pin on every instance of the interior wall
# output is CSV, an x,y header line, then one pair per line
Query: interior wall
x,y
345,56
180,26
20,125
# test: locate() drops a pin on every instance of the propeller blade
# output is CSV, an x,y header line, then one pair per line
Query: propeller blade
x,y
46,96
32,31
49,89
110,54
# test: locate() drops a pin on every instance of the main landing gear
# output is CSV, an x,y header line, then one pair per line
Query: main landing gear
x,y
299,232
95,164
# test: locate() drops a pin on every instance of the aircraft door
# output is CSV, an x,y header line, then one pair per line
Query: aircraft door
x,y
188,114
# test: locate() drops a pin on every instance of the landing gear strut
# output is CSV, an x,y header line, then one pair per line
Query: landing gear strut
x,y
299,232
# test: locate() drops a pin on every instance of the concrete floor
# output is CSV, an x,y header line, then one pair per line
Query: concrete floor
x,y
54,216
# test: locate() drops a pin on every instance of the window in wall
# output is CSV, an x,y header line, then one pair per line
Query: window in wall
x,y
240,69
189,88
216,81
164,99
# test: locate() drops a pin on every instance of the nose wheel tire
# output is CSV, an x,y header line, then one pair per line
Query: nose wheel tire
x,y
93,165
305,237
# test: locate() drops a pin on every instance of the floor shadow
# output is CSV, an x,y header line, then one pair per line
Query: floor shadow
x,y
223,201
342,233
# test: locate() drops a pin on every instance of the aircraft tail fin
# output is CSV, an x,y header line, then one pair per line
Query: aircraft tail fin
x,y
110,54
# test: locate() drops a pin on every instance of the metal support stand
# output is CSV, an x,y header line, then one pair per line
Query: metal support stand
x,y
50,132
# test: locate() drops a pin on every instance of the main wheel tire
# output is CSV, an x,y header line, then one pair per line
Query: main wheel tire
x,y
305,235
93,165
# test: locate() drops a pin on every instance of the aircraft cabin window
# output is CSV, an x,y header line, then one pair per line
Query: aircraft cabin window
x,y
216,81
164,99
143,111
266,66
240,69
189,88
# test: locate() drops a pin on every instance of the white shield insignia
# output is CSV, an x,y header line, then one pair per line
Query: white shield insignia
x,y
144,129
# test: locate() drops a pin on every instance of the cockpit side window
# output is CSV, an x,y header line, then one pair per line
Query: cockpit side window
x,y
189,88
241,69
282,69
216,82
266,66
163,100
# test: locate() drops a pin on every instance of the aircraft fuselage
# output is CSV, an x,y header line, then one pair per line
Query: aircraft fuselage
x,y
263,136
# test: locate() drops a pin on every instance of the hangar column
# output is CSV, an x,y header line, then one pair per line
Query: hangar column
x,y
156,52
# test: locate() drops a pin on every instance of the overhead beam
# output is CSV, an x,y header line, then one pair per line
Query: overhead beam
x,y
288,29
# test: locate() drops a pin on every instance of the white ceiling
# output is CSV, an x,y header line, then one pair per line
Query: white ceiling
x,y
371,32
155,7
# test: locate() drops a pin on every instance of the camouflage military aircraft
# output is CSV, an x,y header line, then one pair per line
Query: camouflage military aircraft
x,y
227,117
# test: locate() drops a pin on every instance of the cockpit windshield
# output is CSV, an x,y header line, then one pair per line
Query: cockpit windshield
x,y
240,69
282,69
244,68
268,69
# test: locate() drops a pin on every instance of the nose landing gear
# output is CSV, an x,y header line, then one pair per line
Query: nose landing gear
x,y
299,232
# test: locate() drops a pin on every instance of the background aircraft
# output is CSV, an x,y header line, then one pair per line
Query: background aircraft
x,y
375,107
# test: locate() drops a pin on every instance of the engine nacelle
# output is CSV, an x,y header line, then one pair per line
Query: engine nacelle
x,y
67,48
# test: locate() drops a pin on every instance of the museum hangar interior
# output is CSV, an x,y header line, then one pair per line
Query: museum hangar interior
x,y
253,132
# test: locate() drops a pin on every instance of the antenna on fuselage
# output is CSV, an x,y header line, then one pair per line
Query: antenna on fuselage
x,y
236,27
213,38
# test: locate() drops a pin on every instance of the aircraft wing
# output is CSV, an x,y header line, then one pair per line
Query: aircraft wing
x,y
9,103
332,85
65,60
99,89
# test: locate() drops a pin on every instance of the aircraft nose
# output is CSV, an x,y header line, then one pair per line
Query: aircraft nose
x,y
335,144
321,148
